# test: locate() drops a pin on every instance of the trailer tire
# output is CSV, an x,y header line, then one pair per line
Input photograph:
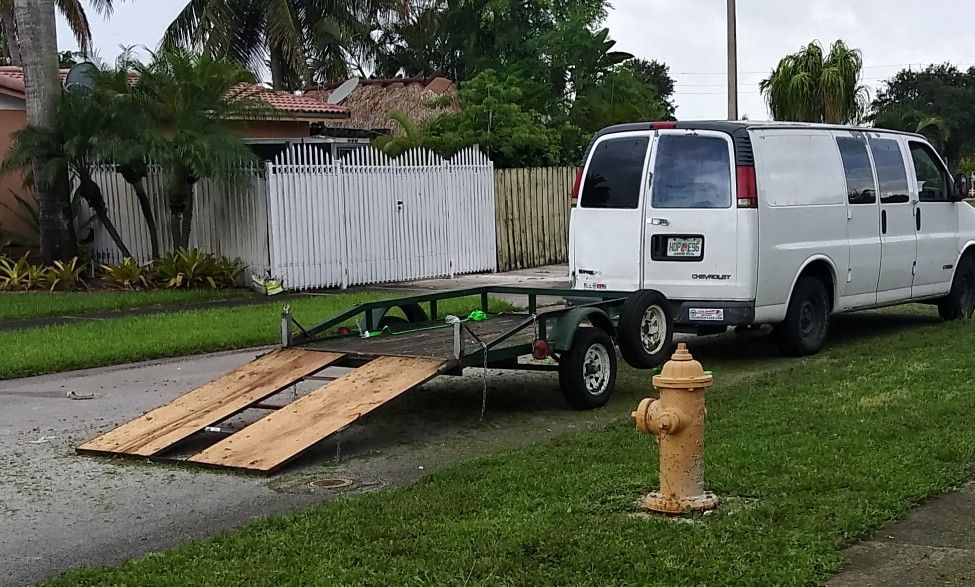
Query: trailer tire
x,y
587,371
806,321
641,342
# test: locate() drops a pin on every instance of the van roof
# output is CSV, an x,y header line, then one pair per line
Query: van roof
x,y
730,126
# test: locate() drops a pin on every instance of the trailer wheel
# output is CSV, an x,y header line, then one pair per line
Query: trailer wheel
x,y
587,372
646,330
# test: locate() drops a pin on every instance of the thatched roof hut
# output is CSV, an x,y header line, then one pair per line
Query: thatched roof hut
x,y
372,100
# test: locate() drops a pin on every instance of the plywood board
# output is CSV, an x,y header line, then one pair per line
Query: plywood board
x,y
161,428
283,435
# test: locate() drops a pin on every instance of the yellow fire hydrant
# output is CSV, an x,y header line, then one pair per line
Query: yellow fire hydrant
x,y
677,421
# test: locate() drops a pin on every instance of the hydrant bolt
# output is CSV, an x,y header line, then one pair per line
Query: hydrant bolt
x,y
677,421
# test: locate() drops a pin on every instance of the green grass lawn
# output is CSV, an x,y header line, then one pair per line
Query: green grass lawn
x,y
51,349
25,305
809,458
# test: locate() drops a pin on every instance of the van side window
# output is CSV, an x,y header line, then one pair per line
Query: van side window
x,y
891,173
692,172
931,181
859,175
615,174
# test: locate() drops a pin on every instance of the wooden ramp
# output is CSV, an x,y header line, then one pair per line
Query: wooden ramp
x,y
283,435
222,398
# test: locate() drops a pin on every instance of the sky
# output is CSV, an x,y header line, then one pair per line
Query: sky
x,y
689,36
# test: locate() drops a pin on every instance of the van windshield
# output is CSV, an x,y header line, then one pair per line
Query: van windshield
x,y
692,172
615,173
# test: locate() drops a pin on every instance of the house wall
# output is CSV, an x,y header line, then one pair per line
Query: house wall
x,y
13,117
276,129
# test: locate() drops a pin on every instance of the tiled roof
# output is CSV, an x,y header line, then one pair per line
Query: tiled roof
x,y
303,106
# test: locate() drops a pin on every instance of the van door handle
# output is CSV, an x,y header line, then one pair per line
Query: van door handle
x,y
660,222
917,218
883,222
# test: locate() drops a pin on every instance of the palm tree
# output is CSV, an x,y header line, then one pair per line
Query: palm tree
x,y
72,11
303,39
810,86
69,145
195,103
36,33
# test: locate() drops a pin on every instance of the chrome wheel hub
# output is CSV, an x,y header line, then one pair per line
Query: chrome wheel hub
x,y
596,369
653,329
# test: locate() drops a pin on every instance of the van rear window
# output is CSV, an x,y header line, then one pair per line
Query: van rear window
x,y
692,172
615,173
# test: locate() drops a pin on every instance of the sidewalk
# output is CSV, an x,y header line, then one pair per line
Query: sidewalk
x,y
934,545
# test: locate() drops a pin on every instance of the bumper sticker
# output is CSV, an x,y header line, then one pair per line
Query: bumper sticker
x,y
707,314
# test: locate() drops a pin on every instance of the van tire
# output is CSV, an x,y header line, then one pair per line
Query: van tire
x,y
587,372
960,301
638,334
807,320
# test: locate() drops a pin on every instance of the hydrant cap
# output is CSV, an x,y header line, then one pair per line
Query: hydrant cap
x,y
682,371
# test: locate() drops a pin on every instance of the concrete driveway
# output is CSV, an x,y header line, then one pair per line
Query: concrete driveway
x,y
59,510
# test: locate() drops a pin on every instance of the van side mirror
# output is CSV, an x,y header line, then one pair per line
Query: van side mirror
x,y
962,187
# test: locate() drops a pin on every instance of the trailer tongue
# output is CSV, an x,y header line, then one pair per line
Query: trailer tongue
x,y
390,355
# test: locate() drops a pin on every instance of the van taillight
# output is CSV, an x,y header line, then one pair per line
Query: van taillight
x,y
577,185
747,188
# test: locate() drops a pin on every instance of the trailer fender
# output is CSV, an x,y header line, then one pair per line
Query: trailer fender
x,y
413,312
568,325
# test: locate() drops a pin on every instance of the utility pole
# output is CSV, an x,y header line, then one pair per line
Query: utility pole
x,y
732,63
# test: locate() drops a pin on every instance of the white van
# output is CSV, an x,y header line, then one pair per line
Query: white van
x,y
718,224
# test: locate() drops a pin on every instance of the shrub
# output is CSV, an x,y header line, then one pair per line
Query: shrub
x,y
14,274
127,275
65,275
190,268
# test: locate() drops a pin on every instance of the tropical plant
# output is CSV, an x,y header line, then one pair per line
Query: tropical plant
x,y
14,275
74,14
36,36
65,275
228,271
394,144
45,153
195,103
305,39
38,277
812,86
187,268
127,274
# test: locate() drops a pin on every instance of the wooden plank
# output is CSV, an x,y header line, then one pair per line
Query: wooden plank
x,y
273,441
161,428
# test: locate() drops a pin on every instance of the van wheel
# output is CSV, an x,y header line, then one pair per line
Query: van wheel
x,y
960,301
807,321
646,330
587,372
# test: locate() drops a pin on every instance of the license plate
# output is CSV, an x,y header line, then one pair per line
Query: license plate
x,y
707,314
684,247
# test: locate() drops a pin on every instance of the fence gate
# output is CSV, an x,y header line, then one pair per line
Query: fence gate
x,y
367,218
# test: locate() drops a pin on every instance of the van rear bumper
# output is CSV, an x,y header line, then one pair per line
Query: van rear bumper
x,y
713,313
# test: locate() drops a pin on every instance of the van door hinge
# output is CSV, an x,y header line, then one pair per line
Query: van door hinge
x,y
849,214
914,268
849,275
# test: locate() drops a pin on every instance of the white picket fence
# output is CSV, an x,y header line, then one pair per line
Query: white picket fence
x,y
317,223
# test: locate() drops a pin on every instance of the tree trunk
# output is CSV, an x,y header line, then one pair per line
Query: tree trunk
x,y
10,35
92,195
277,68
36,35
135,177
180,203
187,219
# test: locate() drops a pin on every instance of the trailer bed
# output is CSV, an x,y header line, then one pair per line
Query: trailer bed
x,y
433,342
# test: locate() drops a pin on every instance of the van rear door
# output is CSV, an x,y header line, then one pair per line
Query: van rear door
x,y
692,218
606,230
